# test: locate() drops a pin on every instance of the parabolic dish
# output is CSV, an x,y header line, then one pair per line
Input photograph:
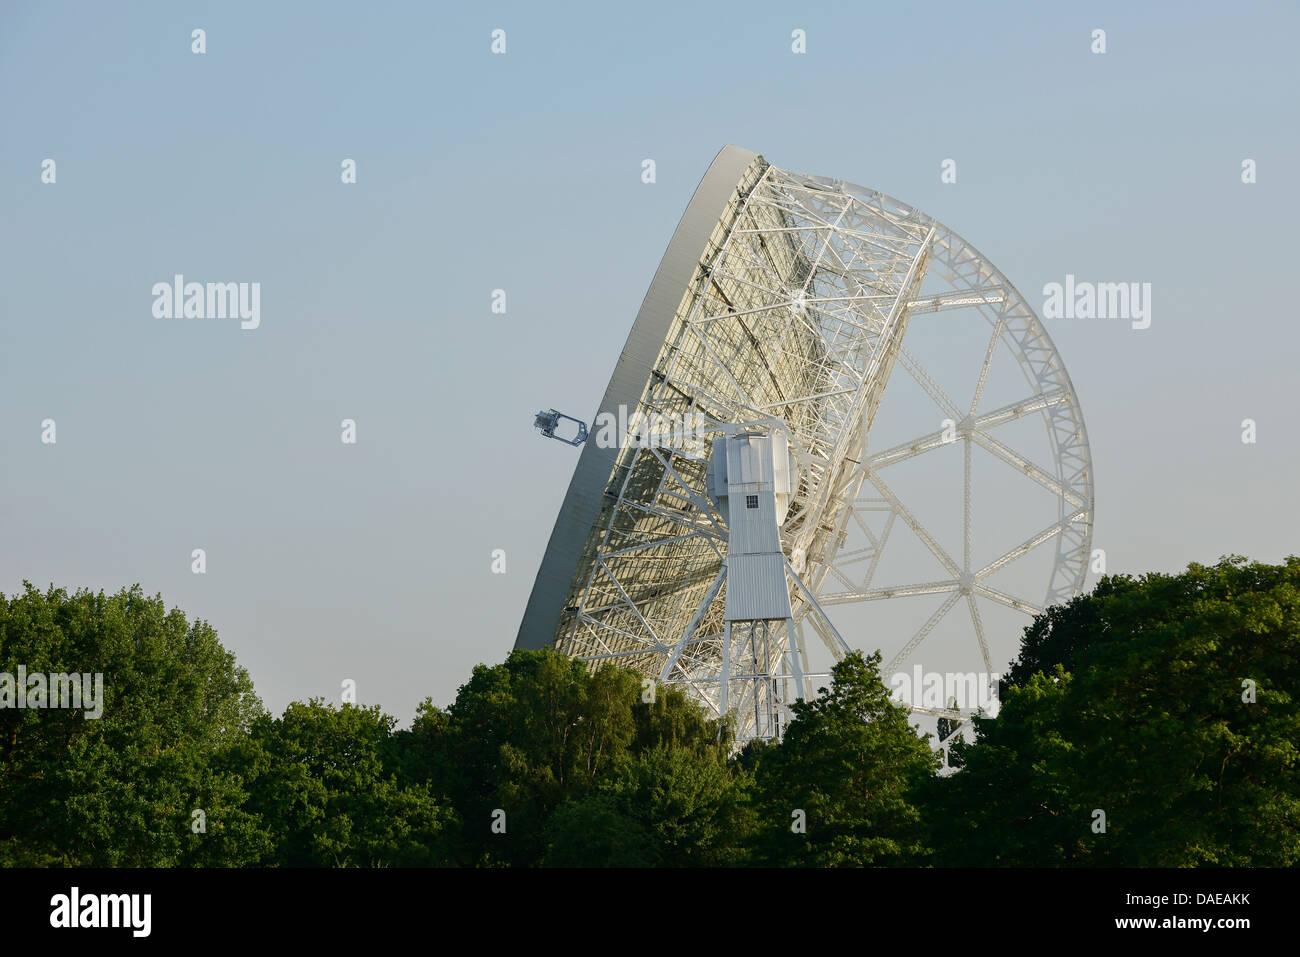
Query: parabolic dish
x,y
811,303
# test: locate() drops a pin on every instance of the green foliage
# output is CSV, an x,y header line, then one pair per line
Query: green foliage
x,y
1130,701
1168,702
317,778
521,737
1015,767
119,791
525,736
667,807
851,762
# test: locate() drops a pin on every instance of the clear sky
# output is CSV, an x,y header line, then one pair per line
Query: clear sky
x,y
522,172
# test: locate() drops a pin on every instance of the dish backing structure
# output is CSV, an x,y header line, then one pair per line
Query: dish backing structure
x,y
777,319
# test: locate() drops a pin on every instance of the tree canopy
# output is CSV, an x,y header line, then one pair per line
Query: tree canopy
x,y
839,789
1162,708
1151,722
120,790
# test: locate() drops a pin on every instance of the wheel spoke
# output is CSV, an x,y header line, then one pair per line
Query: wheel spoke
x,y
1008,600
998,328
922,633
1022,464
947,405
979,632
926,538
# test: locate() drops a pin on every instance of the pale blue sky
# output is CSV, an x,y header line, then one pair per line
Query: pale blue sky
x,y
522,172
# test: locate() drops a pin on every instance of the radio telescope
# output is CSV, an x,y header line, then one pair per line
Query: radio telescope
x,y
870,368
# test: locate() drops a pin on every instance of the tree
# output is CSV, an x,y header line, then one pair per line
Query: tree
x,y
526,736
1008,804
121,790
317,778
520,738
846,770
1166,703
668,807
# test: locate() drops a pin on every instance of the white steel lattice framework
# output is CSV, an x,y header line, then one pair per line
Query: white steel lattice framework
x,y
795,316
